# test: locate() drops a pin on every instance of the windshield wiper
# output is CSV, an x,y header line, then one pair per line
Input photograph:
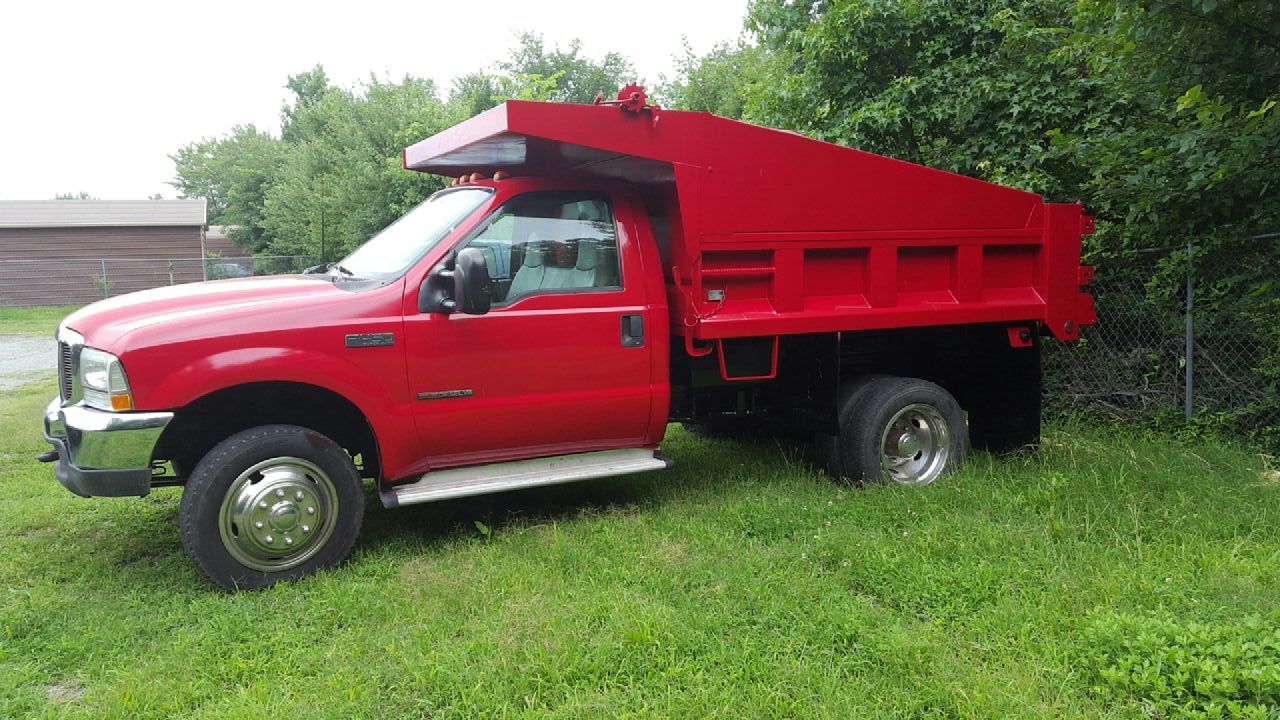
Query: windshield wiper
x,y
328,268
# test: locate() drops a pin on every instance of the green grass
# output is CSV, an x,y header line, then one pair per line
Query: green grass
x,y
739,584
40,320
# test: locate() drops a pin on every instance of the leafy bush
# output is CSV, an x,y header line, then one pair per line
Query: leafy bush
x,y
1180,669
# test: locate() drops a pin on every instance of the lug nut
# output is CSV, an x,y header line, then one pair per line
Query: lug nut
x,y
269,539
299,495
306,528
258,524
262,504
279,492
288,541
311,510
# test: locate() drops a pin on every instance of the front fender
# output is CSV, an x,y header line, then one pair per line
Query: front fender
x,y
376,385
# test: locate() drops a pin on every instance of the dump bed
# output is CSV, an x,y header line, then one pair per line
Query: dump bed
x,y
765,232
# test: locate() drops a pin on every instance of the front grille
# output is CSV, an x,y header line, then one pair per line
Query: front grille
x,y
64,371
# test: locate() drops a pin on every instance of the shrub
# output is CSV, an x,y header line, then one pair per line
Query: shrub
x,y
1180,669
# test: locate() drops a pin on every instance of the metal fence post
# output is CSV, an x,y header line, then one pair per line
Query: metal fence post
x,y
171,272
1190,351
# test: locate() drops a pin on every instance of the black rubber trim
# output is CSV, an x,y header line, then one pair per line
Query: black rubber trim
x,y
657,454
127,482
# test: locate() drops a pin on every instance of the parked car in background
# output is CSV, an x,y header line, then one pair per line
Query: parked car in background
x,y
221,271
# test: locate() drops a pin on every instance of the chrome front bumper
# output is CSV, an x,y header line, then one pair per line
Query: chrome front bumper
x,y
103,454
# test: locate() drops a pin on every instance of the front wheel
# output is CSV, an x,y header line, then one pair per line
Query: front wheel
x,y
269,504
901,430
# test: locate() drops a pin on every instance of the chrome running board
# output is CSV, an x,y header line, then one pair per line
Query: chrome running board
x,y
499,477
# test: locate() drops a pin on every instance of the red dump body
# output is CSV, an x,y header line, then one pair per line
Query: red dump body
x,y
797,235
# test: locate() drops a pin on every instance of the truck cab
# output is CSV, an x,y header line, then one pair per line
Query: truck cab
x,y
591,274
562,356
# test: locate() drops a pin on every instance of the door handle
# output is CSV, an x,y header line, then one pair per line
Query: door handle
x,y
632,331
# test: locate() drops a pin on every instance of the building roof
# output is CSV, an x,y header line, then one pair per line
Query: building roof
x,y
100,213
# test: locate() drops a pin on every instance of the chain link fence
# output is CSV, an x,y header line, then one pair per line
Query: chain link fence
x,y
1145,362
1132,366
35,283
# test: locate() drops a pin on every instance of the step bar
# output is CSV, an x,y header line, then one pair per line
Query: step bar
x,y
500,477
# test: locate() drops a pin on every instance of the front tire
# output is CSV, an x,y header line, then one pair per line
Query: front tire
x,y
270,504
901,430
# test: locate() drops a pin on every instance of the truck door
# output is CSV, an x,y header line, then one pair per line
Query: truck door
x,y
561,363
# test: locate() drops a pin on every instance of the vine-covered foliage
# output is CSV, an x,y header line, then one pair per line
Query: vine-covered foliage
x,y
1179,669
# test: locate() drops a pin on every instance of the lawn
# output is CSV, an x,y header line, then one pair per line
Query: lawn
x,y
39,320
1102,577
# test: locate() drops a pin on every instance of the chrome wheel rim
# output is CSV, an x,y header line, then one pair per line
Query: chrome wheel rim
x,y
916,445
278,514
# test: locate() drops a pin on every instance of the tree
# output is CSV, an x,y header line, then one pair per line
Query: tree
x,y
963,86
726,81
342,173
233,174
1197,151
82,195
308,89
474,93
570,77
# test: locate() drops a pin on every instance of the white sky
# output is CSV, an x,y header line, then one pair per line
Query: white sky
x,y
95,95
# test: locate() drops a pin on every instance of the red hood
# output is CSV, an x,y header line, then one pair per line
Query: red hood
x,y
104,323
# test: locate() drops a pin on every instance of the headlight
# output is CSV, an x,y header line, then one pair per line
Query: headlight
x,y
103,382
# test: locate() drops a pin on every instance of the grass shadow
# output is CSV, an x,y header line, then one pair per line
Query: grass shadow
x,y
699,470
140,539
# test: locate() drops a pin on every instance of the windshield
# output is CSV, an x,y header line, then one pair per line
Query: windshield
x,y
391,252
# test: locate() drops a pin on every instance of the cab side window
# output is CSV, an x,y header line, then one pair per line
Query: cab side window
x,y
550,242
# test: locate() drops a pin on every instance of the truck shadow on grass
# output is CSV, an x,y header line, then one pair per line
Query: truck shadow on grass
x,y
704,469
139,547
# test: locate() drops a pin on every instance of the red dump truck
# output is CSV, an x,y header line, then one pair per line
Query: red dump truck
x,y
591,274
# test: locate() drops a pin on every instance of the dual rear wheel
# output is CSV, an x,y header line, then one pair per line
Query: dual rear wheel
x,y
893,429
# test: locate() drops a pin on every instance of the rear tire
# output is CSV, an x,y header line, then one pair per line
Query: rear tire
x,y
270,504
827,447
900,430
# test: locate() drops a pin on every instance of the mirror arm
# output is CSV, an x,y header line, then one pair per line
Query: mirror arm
x,y
435,294
446,275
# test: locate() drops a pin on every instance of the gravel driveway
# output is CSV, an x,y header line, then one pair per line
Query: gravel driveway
x,y
27,358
